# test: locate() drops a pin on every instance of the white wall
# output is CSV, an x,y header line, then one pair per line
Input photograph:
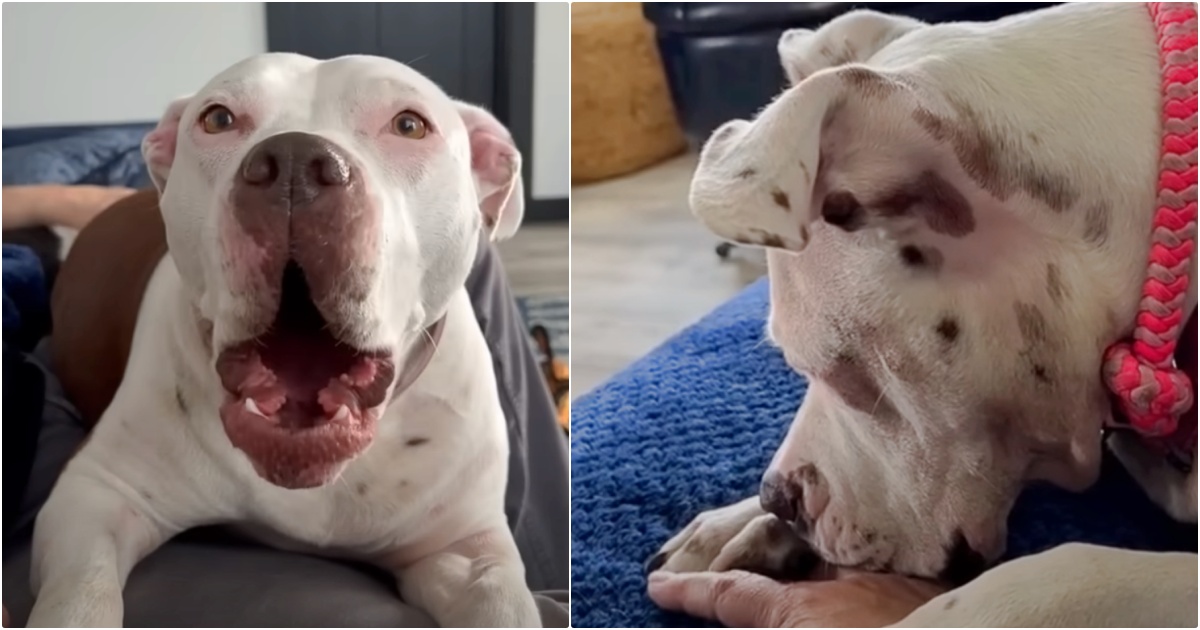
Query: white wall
x,y
551,100
84,63
99,63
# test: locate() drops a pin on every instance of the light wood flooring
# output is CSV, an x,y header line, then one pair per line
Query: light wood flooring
x,y
537,259
641,269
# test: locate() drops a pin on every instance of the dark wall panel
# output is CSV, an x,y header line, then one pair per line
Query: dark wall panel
x,y
481,53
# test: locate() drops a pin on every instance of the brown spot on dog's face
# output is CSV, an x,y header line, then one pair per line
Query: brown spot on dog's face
x,y
925,258
936,126
781,199
842,209
1042,373
852,381
1038,342
944,209
950,602
947,328
1049,188
1054,283
772,240
1095,224
361,488
993,161
747,173
912,256
868,81
1031,322
761,237
417,441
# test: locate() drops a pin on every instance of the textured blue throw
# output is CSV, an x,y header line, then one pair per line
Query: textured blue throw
x,y
692,426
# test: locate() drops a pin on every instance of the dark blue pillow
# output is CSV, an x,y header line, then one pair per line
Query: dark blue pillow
x,y
103,156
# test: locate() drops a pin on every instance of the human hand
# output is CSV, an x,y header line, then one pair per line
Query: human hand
x,y
844,598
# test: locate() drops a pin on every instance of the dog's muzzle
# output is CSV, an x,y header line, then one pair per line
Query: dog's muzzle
x,y
302,396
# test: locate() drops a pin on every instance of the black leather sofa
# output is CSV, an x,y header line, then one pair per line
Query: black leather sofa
x,y
720,56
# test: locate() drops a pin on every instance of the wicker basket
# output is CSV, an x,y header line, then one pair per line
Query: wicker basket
x,y
622,118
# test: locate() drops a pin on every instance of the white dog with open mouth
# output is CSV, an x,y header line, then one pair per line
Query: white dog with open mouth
x,y
958,219
306,363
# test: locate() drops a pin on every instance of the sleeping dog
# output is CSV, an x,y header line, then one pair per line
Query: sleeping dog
x,y
954,214
288,346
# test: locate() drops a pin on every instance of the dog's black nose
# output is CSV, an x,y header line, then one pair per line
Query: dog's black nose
x,y
781,497
298,165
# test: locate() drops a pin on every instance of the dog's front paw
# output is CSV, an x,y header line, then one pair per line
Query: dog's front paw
x,y
738,536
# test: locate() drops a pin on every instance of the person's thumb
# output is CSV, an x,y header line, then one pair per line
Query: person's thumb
x,y
735,598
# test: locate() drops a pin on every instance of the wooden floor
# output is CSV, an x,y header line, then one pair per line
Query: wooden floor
x,y
537,259
641,269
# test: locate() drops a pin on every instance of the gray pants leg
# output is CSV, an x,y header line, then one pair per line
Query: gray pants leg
x,y
209,579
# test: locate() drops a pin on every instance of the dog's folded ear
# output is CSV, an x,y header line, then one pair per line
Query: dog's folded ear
x,y
158,147
496,167
849,38
861,149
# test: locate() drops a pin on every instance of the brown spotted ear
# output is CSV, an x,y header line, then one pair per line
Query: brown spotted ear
x,y
158,147
855,148
496,166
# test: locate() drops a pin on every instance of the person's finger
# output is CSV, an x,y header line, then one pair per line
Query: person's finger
x,y
735,598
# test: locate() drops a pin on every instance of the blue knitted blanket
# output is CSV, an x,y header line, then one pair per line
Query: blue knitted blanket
x,y
692,426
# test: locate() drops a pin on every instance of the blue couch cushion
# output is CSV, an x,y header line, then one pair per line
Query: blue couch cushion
x,y
106,155
692,426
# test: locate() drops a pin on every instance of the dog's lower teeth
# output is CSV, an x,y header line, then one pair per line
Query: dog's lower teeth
x,y
343,412
253,408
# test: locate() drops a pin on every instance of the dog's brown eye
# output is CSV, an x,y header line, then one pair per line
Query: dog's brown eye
x,y
410,125
217,118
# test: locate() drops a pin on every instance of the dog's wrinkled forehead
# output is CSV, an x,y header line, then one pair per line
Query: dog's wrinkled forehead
x,y
287,91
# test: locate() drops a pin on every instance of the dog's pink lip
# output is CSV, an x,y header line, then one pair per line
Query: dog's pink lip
x,y
297,457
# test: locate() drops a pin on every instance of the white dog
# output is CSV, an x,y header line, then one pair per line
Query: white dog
x,y
958,218
306,364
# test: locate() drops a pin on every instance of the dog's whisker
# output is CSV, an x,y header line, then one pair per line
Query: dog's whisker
x,y
433,342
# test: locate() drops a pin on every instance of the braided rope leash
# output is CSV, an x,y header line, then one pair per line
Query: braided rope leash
x,y
1151,391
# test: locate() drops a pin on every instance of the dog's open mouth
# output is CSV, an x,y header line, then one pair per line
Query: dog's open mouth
x,y
299,402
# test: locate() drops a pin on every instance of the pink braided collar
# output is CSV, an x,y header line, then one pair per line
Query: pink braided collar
x,y
1155,396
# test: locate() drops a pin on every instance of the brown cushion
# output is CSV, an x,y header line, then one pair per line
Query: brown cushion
x,y
97,296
